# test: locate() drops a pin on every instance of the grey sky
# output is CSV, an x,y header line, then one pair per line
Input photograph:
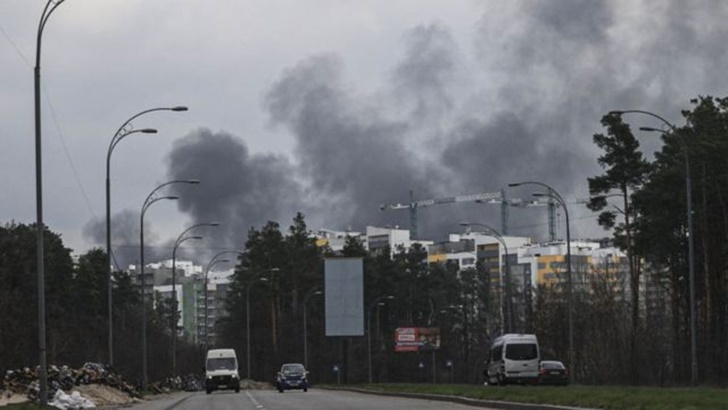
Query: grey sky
x,y
332,107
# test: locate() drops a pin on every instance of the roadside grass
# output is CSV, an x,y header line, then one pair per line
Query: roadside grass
x,y
596,397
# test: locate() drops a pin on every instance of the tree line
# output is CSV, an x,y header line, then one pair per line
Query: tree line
x,y
642,337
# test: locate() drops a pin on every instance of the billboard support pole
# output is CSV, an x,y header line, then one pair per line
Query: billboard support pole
x,y
346,359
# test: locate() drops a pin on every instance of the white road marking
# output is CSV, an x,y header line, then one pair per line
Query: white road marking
x,y
255,402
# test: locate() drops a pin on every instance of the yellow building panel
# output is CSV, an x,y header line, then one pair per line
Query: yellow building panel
x,y
437,257
550,269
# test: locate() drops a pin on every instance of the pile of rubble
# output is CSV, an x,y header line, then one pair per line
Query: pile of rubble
x,y
190,382
64,379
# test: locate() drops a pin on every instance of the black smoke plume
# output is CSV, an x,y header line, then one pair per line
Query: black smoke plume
x,y
518,103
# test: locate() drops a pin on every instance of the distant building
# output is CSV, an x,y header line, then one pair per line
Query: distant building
x,y
525,264
336,240
379,238
190,291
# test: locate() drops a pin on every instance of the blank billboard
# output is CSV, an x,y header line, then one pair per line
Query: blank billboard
x,y
344,296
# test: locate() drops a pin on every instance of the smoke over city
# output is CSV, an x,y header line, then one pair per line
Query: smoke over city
x,y
519,102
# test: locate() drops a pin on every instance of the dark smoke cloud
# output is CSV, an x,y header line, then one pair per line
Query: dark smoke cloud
x,y
543,75
423,80
125,239
582,21
567,65
506,150
352,155
237,189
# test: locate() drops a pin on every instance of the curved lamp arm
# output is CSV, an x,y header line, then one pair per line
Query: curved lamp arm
x,y
651,114
149,200
179,238
126,125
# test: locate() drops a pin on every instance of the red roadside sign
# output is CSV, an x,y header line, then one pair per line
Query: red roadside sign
x,y
416,339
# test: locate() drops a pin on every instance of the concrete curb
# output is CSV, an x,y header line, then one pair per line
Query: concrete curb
x,y
495,404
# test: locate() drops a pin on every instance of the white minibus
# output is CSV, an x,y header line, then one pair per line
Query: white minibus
x,y
513,358
221,370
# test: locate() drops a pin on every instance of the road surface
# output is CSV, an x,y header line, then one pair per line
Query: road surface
x,y
314,399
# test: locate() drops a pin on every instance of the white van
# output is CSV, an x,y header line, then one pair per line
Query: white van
x,y
513,358
221,370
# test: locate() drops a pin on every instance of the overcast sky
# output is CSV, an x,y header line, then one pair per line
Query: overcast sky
x,y
332,107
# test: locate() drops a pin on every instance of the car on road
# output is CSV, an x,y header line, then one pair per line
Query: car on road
x,y
553,372
292,376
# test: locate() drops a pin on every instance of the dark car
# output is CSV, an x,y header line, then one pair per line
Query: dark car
x,y
553,372
292,376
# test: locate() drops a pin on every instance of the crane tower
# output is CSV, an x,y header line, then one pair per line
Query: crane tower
x,y
490,197
484,198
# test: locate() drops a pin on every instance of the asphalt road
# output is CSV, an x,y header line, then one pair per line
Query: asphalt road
x,y
314,399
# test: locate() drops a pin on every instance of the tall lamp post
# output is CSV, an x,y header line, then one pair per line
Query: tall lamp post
x,y
181,238
149,201
551,193
117,137
207,271
507,306
247,310
50,6
310,293
689,216
212,262
376,302
123,131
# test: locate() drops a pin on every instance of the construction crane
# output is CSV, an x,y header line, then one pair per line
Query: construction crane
x,y
489,197
483,198
552,205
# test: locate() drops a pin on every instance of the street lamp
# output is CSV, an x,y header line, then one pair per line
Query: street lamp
x,y
47,10
151,199
507,307
691,251
551,193
181,238
207,271
212,261
310,293
117,137
123,131
247,309
375,302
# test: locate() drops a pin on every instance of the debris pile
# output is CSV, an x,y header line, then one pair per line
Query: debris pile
x,y
74,401
189,382
26,382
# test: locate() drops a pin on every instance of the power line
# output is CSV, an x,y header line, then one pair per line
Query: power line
x,y
56,123
22,57
592,215
68,154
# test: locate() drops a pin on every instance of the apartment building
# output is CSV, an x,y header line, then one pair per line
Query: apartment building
x,y
527,265
198,306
